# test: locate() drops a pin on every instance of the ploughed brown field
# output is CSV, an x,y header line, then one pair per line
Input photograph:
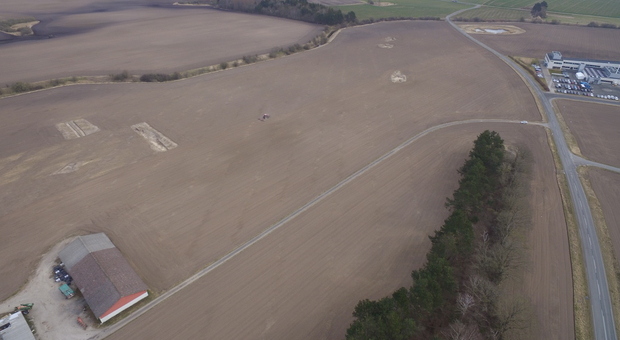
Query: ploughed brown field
x,y
595,127
145,40
333,110
20,8
305,279
572,41
606,185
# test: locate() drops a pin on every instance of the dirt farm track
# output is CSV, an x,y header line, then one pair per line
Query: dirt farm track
x,y
231,176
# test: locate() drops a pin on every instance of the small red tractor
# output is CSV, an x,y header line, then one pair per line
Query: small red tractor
x,y
82,323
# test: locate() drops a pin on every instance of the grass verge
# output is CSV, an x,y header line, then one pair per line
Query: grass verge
x,y
581,305
570,139
526,63
612,269
24,87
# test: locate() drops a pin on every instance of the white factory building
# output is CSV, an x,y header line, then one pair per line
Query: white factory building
x,y
592,70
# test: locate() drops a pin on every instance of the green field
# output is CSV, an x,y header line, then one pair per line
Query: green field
x,y
579,12
603,8
497,13
404,8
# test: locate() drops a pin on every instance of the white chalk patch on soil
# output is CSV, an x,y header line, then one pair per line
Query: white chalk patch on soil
x,y
76,128
54,317
386,45
158,141
497,31
71,167
398,77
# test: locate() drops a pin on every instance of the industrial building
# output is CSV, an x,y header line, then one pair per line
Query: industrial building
x,y
591,70
103,276
15,327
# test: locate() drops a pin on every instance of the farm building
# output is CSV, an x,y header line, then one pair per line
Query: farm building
x,y
15,327
103,276
595,71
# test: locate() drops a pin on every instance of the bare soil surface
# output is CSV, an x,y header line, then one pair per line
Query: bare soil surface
x,y
16,8
544,278
145,40
572,41
606,185
595,127
359,244
232,176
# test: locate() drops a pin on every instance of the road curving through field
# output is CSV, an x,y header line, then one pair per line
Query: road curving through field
x,y
117,326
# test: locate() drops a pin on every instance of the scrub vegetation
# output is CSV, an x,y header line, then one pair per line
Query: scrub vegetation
x,y
7,25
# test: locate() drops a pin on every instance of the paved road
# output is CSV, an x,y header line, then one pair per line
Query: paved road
x,y
582,161
115,327
602,314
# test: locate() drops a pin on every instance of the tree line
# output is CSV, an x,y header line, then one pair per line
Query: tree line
x,y
293,9
539,10
455,294
304,11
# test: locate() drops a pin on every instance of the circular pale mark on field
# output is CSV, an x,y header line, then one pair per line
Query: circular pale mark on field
x,y
492,29
386,45
389,39
398,77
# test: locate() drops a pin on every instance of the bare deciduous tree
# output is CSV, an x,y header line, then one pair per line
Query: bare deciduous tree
x,y
510,317
460,331
485,294
464,302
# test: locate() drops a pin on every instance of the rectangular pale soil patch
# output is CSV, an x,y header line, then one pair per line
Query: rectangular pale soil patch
x,y
76,128
158,142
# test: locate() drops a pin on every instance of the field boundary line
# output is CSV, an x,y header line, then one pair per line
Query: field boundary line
x,y
108,331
